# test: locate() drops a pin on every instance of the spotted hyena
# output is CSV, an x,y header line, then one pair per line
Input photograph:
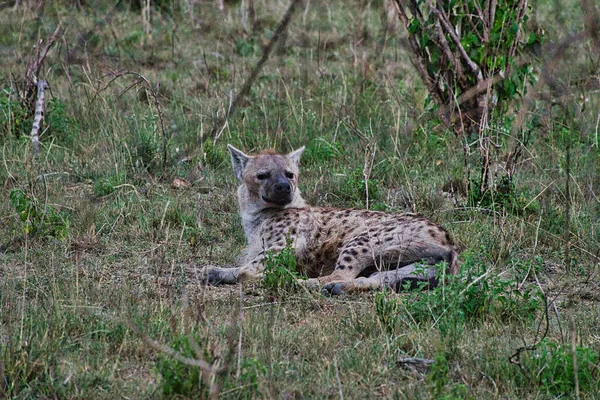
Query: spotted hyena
x,y
342,250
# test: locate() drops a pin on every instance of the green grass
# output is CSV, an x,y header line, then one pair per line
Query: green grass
x,y
94,239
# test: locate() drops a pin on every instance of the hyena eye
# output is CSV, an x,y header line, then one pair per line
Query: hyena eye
x,y
263,176
289,175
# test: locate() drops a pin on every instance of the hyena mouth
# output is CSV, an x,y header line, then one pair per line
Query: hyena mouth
x,y
281,201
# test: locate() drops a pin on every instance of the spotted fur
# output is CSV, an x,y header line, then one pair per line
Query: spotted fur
x,y
342,250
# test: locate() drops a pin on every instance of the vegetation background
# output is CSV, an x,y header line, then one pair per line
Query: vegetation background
x,y
102,235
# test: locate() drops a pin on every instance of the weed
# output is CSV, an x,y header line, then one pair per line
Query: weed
x,y
320,150
551,367
14,117
62,125
439,375
358,187
213,156
388,310
37,219
281,275
177,377
252,370
502,197
246,47
107,185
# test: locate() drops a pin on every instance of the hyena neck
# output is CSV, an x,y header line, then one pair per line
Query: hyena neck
x,y
253,210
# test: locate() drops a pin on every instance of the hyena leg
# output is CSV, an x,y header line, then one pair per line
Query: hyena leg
x,y
356,255
251,271
393,279
220,275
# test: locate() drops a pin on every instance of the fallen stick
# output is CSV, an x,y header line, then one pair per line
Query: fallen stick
x,y
420,365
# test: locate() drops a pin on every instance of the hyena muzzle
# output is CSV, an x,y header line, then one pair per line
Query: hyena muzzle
x,y
341,250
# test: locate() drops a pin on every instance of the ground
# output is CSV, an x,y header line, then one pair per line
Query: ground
x,y
100,245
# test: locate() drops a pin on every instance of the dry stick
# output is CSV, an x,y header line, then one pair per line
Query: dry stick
x,y
337,378
238,371
33,70
40,106
204,366
419,365
573,348
568,207
279,33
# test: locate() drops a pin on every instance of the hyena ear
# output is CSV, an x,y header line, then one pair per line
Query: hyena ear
x,y
294,156
239,161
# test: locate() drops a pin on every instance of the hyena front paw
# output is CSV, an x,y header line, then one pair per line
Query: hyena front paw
x,y
335,289
218,276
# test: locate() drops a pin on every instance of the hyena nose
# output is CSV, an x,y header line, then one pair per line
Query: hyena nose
x,y
283,187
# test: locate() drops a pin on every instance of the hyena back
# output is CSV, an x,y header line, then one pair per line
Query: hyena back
x,y
342,250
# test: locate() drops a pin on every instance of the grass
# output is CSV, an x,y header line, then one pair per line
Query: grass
x,y
94,239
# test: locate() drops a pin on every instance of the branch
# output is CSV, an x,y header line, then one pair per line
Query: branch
x,y
40,106
33,70
420,59
513,48
443,18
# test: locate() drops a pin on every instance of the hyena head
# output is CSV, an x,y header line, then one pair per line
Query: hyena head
x,y
270,179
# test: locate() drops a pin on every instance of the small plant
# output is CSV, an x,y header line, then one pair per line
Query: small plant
x,y
106,186
213,156
439,375
280,273
252,370
503,196
60,123
551,365
358,188
388,310
14,117
320,150
246,48
179,378
37,219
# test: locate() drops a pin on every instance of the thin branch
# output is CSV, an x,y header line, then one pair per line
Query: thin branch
x,y
277,35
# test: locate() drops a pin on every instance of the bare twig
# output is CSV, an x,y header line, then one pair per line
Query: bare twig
x,y
337,378
277,36
572,334
420,365
153,91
